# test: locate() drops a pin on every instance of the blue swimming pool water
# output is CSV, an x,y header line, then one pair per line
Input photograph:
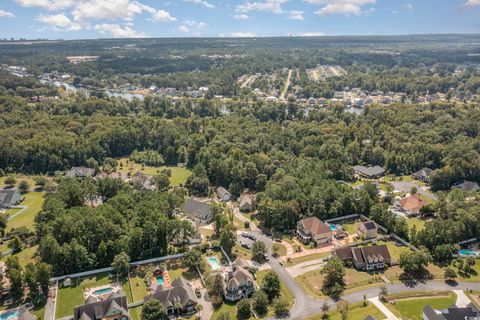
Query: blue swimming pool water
x,y
103,291
10,315
333,227
214,263
160,280
468,252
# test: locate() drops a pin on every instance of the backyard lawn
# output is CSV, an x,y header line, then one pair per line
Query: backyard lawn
x,y
356,312
418,223
70,297
409,306
179,175
33,201
25,256
474,296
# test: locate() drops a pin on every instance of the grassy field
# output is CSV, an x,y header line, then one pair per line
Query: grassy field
x,y
410,307
19,178
474,296
356,312
25,256
70,297
418,223
33,201
394,250
306,258
242,253
351,227
179,175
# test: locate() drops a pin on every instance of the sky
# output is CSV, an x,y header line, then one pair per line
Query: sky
x,y
82,19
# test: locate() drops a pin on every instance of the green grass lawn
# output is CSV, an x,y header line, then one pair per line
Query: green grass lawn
x,y
136,313
410,306
128,291
418,223
474,296
282,250
306,258
179,175
139,288
356,312
25,256
19,178
350,227
33,201
70,297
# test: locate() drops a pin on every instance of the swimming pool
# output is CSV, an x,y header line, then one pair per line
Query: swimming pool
x,y
333,227
10,315
160,280
102,291
468,252
214,263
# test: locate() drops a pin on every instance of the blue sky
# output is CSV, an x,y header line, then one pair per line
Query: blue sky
x,y
77,19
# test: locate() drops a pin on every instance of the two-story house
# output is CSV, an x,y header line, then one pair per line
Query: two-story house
x,y
367,230
177,299
113,307
365,258
314,230
239,284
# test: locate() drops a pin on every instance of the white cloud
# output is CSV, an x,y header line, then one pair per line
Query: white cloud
x,y
6,14
346,7
118,31
59,22
106,9
243,34
274,6
409,6
295,15
46,4
241,17
311,34
201,2
183,28
471,3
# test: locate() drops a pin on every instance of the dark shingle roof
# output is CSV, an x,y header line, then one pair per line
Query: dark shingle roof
x,y
468,186
180,292
80,172
197,209
98,309
452,313
369,254
369,171
315,225
370,225
6,196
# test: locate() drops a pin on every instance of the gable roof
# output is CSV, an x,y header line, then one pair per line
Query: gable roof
x,y
246,199
423,172
315,225
371,254
6,195
369,171
452,313
180,292
413,203
197,209
468,186
221,192
92,310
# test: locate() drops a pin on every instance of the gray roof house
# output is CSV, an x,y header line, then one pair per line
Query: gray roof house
x,y
246,202
223,194
177,299
9,198
239,283
80,172
369,172
198,211
113,307
423,174
452,313
468,186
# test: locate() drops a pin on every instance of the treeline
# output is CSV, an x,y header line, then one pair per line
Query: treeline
x,y
75,237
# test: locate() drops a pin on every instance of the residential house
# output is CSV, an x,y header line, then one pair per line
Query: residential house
x,y
223,194
314,230
338,95
367,230
239,283
411,205
468,186
369,172
246,202
198,211
365,258
452,313
113,307
142,181
178,299
322,101
80,172
9,198
114,175
423,174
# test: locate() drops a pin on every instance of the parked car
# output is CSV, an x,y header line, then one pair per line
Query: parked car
x,y
198,293
245,245
266,258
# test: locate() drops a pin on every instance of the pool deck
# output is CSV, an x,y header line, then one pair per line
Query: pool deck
x,y
91,291
166,279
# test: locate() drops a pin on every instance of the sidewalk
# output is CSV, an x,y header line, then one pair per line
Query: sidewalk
x,y
381,307
462,299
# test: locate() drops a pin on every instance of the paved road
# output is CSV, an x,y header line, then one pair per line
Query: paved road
x,y
304,267
286,85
